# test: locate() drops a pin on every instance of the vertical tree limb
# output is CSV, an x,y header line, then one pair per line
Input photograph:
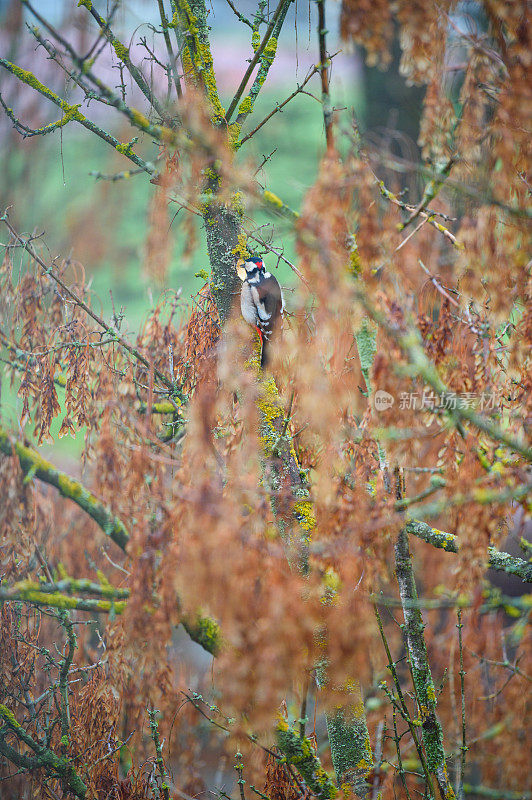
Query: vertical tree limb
x,y
324,74
421,673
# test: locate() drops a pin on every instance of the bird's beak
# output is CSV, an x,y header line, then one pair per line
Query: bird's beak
x,y
240,269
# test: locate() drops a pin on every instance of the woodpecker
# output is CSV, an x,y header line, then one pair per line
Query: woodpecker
x,y
261,300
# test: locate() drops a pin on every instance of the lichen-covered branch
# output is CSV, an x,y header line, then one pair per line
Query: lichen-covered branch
x,y
274,203
198,65
33,464
154,730
496,559
44,758
61,601
420,668
61,594
302,755
72,112
281,9
202,629
205,631
266,60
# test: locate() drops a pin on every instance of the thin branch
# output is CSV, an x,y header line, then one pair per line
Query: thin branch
x,y
169,50
44,757
464,748
72,112
428,216
431,190
280,106
240,16
154,730
324,73
123,54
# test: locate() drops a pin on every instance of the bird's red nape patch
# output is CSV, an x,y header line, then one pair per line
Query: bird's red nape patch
x,y
260,334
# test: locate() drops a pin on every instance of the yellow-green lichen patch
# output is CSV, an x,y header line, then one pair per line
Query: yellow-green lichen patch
x,y
241,249
118,606
8,715
205,631
198,58
255,40
246,105
138,118
299,751
331,580
237,204
71,488
29,78
355,264
268,54
233,133
125,148
120,49
272,199
271,413
55,599
304,512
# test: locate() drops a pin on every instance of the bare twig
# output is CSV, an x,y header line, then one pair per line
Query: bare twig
x,y
280,106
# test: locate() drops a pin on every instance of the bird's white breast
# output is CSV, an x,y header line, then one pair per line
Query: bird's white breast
x,y
247,306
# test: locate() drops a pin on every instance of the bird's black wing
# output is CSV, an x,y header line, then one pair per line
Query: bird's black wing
x,y
270,303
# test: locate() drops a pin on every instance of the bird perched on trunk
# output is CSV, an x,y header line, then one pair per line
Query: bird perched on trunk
x,y
261,300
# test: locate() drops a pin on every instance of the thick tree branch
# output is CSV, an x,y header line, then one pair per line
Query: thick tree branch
x,y
246,106
255,60
447,541
44,757
301,754
33,464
